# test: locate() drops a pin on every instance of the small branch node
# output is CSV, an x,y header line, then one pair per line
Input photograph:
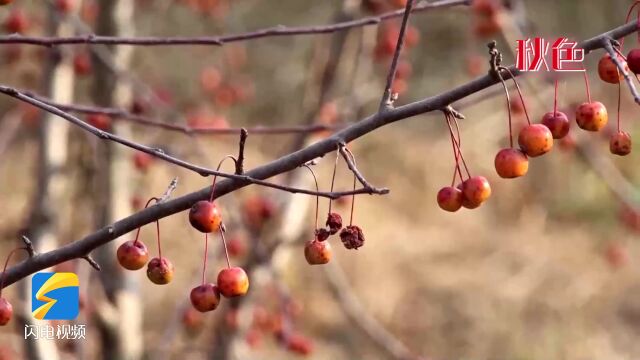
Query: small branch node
x,y
29,246
92,262
167,194
453,112
240,162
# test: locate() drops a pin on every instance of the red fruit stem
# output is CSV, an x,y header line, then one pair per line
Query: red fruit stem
x,y
619,104
627,20
506,93
158,237
456,169
206,255
555,98
6,262
333,178
317,187
458,144
224,244
524,106
145,206
215,177
353,197
586,81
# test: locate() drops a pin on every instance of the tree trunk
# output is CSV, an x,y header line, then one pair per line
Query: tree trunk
x,y
42,227
121,339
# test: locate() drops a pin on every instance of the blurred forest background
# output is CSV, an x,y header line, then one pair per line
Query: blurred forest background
x,y
544,270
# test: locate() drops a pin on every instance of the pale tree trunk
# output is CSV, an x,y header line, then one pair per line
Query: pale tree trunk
x,y
122,336
43,223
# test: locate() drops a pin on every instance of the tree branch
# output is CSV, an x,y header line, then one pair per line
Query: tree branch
x,y
387,97
122,114
277,31
607,43
284,164
346,154
159,153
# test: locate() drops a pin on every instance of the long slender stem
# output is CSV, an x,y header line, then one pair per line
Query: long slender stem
x,y
619,104
353,198
145,206
555,98
524,106
586,83
456,169
459,148
158,238
315,179
627,20
215,177
224,244
333,177
6,262
508,97
206,256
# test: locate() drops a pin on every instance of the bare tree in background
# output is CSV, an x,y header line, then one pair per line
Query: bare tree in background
x,y
43,222
121,326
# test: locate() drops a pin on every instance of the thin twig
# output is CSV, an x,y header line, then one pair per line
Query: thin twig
x,y
240,162
159,153
607,44
120,114
387,97
277,31
29,246
170,189
352,166
92,262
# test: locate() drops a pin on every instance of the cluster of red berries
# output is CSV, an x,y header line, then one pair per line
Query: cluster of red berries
x,y
205,216
134,255
318,251
469,193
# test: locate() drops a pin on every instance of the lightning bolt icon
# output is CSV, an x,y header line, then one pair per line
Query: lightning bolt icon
x,y
56,281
